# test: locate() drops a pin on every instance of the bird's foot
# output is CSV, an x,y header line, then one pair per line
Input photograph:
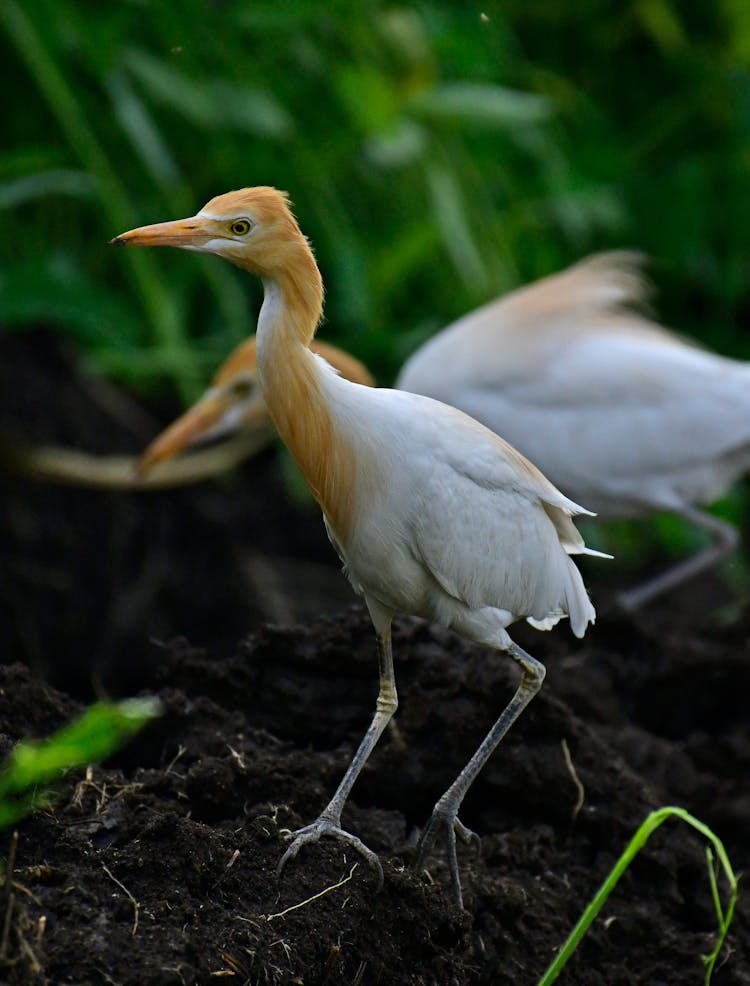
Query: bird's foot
x,y
445,823
329,826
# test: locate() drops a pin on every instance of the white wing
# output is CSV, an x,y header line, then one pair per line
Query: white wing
x,y
460,519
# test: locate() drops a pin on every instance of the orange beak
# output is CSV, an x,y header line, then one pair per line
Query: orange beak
x,y
194,232
187,430
198,423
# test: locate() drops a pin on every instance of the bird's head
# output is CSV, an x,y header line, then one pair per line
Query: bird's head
x,y
233,403
253,228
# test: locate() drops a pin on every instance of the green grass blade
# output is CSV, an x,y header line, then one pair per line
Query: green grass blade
x,y
138,124
723,917
644,832
481,104
19,191
211,104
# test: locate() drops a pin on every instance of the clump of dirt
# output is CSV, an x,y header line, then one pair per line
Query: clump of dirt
x,y
160,869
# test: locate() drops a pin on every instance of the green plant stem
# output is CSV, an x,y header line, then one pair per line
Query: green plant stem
x,y
157,301
644,832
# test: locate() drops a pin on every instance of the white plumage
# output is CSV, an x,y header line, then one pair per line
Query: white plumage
x,y
454,521
431,512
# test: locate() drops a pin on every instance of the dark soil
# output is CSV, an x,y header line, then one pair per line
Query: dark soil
x,y
160,867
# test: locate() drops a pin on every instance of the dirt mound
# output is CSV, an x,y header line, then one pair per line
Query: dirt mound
x,y
182,835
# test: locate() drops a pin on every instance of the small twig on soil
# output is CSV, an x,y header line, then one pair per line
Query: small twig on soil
x,y
232,859
333,957
41,927
235,966
180,751
89,784
576,780
29,953
25,890
285,945
322,893
237,757
8,894
131,898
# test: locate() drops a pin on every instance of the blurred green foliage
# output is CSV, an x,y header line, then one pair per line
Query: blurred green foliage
x,y
438,154
96,734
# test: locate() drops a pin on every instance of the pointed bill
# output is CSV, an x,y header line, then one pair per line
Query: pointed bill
x,y
189,429
195,231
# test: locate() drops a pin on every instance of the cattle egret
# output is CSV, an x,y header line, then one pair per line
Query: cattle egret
x,y
431,513
616,411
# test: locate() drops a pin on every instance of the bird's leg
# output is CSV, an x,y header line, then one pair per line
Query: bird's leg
x,y
725,539
445,814
329,820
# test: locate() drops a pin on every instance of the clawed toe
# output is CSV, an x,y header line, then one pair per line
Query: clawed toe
x,y
466,835
447,825
327,827
451,827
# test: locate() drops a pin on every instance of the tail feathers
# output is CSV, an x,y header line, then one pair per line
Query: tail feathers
x,y
560,592
609,280
570,537
575,604
605,282
588,551
580,608
573,600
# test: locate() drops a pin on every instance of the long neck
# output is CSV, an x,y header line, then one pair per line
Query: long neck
x,y
293,386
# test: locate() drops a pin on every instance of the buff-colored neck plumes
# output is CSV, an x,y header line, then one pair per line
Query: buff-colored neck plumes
x,y
293,381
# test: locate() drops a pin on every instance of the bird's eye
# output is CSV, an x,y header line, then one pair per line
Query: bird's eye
x,y
242,387
240,226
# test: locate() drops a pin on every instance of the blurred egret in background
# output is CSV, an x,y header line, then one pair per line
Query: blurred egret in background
x,y
617,411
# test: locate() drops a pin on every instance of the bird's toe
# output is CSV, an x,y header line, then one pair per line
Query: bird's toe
x,y
445,825
466,835
324,826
